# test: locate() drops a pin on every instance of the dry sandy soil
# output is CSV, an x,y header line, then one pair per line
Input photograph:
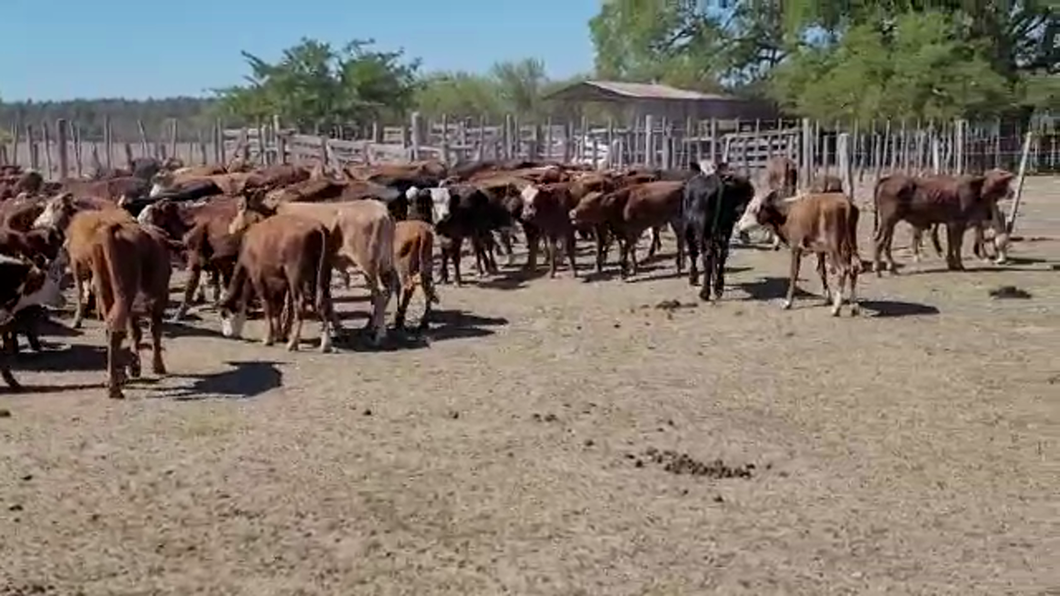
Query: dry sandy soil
x,y
913,450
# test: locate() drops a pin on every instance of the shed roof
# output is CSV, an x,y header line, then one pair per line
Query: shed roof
x,y
619,91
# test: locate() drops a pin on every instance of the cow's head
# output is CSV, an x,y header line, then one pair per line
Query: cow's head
x,y
58,211
33,286
250,209
759,211
591,209
161,182
529,195
997,185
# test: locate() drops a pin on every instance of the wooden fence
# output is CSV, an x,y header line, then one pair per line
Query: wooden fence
x,y
876,147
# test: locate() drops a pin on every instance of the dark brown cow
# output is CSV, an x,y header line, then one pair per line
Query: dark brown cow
x,y
288,253
628,212
130,266
822,223
202,228
955,202
548,207
414,261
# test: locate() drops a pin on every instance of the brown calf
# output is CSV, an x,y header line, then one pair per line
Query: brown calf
x,y
548,207
822,223
955,202
414,261
127,262
628,212
288,253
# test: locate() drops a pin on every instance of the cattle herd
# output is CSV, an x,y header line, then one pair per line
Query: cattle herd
x,y
275,235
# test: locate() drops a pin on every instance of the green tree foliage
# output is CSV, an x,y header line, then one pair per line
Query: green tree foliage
x,y
314,84
919,68
508,88
839,58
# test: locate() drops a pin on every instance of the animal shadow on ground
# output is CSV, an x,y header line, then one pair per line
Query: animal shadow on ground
x,y
243,380
771,288
514,280
445,324
897,308
75,358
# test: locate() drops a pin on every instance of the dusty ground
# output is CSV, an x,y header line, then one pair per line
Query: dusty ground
x,y
915,450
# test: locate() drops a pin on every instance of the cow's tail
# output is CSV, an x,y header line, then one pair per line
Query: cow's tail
x,y
110,290
323,289
387,273
427,267
876,206
851,234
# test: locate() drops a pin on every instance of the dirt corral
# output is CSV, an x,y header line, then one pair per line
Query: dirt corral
x,y
561,437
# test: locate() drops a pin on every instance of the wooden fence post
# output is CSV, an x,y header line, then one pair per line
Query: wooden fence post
x,y
281,140
958,146
47,140
548,138
844,163
415,140
1011,223
649,141
143,139
173,138
108,143
806,154
445,139
61,138
34,149
79,148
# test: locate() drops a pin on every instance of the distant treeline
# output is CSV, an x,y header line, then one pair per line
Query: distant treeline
x,y
193,115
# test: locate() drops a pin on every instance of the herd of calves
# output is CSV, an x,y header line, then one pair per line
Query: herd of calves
x,y
275,234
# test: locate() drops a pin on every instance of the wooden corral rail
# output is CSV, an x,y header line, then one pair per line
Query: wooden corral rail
x,y
58,149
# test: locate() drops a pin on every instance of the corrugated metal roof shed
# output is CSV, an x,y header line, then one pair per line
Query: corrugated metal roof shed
x,y
664,100
598,90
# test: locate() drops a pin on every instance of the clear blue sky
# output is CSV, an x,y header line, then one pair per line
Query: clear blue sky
x,y
62,49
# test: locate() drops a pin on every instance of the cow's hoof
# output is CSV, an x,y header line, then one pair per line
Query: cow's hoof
x,y
76,324
134,368
292,346
704,296
157,368
267,341
786,305
855,310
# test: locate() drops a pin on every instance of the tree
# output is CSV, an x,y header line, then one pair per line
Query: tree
x,y
658,40
313,84
919,68
508,88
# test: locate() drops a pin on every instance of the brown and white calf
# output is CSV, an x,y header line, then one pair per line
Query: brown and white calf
x,y
821,223
23,285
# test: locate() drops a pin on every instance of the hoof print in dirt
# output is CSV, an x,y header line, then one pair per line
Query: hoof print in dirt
x,y
5,413
545,418
682,463
1005,292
